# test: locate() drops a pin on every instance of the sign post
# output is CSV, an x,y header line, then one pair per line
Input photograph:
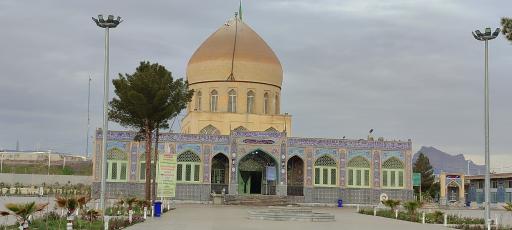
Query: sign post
x,y
416,181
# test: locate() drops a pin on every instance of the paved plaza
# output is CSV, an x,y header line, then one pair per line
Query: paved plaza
x,y
209,217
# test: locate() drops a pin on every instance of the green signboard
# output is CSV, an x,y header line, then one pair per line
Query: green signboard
x,y
416,179
167,175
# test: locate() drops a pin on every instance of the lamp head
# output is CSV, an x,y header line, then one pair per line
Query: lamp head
x,y
110,22
496,32
487,31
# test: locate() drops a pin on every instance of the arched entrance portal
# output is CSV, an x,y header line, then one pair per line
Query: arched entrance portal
x,y
257,174
295,169
220,173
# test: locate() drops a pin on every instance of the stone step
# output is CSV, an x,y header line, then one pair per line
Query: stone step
x,y
289,214
256,200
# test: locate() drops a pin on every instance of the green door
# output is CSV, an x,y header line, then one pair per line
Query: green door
x,y
244,183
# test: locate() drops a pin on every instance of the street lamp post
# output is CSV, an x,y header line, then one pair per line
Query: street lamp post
x,y
110,22
488,35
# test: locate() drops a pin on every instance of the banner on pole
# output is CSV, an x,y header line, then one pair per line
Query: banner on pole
x,y
167,175
416,179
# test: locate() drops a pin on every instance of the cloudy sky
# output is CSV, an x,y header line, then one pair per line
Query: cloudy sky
x,y
408,69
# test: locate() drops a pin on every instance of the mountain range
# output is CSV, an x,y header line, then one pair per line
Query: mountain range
x,y
444,162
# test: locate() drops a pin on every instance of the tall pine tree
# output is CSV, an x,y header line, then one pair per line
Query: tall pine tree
x,y
146,100
507,27
422,165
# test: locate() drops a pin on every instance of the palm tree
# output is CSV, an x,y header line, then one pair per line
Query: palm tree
x,y
68,203
71,204
391,204
412,207
23,211
130,202
82,202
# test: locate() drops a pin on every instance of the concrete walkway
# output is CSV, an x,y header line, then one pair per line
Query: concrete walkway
x,y
197,217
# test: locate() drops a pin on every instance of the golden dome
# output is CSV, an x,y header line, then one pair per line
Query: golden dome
x,y
235,48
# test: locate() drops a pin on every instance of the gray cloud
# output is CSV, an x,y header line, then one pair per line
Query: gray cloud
x,y
408,69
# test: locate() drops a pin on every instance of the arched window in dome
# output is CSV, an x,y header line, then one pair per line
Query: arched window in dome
x,y
358,169
276,102
326,172
250,101
214,98
266,103
232,101
210,130
198,100
272,130
393,173
241,129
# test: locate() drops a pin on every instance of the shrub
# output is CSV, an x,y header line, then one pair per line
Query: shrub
x,y
392,204
479,227
508,206
121,222
412,208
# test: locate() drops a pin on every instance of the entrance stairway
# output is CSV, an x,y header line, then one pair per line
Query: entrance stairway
x,y
290,214
256,200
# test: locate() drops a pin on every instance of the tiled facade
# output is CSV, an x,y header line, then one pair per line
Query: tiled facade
x,y
278,147
500,192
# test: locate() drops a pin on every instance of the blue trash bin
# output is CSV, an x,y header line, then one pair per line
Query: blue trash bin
x,y
340,203
158,208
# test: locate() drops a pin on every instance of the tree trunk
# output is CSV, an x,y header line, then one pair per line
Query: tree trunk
x,y
148,134
157,133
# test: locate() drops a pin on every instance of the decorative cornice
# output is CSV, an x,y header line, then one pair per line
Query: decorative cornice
x,y
350,144
258,134
291,141
169,137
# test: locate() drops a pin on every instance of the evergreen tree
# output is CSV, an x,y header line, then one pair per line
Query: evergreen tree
x,y
507,27
422,165
146,100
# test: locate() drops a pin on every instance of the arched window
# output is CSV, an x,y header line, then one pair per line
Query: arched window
x,y
250,101
266,108
271,129
393,173
358,172
188,168
325,171
232,101
198,101
276,102
241,129
210,130
117,165
214,98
